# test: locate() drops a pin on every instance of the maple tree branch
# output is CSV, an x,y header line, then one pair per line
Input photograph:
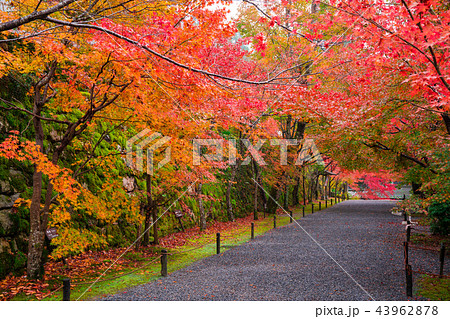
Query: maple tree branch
x,y
277,23
432,60
430,48
32,35
379,26
414,103
101,138
159,55
446,118
16,108
38,4
35,15
383,147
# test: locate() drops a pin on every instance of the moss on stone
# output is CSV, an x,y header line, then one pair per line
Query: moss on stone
x,y
6,264
20,262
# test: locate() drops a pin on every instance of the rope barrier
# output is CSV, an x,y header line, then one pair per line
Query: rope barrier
x,y
115,277
192,249
424,248
52,292
429,274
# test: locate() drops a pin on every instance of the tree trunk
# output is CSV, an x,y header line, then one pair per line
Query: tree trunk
x,y
138,236
255,194
295,199
151,215
36,238
153,209
329,187
273,199
286,197
304,189
148,213
446,118
416,189
255,203
262,193
201,208
310,189
155,226
147,225
37,226
316,187
139,227
228,194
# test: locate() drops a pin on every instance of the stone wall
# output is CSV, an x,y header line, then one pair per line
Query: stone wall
x,y
13,238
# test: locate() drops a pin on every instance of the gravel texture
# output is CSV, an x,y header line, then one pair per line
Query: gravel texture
x,y
287,264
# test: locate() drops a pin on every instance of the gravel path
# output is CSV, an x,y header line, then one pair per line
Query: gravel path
x,y
286,264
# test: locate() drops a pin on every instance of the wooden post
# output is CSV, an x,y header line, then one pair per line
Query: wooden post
x,y
441,260
163,262
66,289
406,253
290,219
331,201
274,221
303,211
408,271
409,282
218,243
253,231
181,224
320,205
312,208
408,229
326,203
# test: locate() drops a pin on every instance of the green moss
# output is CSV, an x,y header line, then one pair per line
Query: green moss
x,y
120,235
20,262
20,221
6,264
434,288
4,172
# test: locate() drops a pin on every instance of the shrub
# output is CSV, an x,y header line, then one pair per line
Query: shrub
x,y
439,214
